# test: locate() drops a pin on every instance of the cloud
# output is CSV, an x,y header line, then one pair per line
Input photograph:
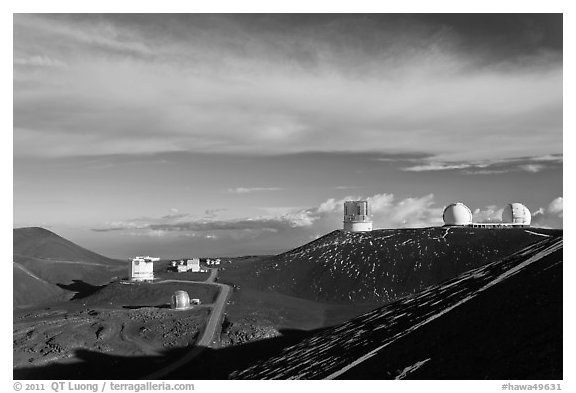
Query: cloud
x,y
247,190
386,211
534,168
489,214
550,216
486,172
283,228
533,164
175,213
277,84
40,61
110,229
557,207
437,166
174,225
213,213
549,157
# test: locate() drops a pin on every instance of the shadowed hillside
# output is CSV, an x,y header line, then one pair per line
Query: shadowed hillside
x,y
122,294
30,289
45,262
499,321
382,265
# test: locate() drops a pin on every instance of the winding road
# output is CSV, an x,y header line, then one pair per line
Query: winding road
x,y
207,339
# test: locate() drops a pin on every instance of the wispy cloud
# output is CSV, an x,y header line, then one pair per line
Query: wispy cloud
x,y
438,166
213,213
486,172
534,168
386,212
285,227
489,167
39,61
235,84
248,190
548,157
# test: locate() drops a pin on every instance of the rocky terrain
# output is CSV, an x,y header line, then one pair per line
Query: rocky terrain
x,y
380,266
75,318
499,321
427,303
57,337
244,331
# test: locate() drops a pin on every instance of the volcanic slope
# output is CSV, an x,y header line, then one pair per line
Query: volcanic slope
x,y
41,243
382,265
499,321
133,295
24,281
42,256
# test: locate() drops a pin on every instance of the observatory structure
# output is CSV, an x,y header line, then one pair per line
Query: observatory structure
x,y
513,215
357,217
193,265
516,214
187,265
457,214
142,268
180,300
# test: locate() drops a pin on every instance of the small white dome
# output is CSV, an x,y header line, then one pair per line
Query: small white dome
x,y
457,214
516,213
180,300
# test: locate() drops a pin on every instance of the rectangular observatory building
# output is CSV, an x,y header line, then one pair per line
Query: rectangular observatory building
x,y
142,268
357,217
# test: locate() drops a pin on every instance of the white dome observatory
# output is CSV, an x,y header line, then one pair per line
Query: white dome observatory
x,y
180,300
457,214
356,217
516,213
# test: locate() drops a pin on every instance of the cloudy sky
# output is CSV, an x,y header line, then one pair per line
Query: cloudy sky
x,y
183,135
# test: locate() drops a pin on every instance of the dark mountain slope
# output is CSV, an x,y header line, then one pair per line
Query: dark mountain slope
x,y
382,265
499,321
41,243
65,272
30,289
46,260
118,294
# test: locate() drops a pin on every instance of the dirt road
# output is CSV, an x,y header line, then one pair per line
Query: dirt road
x,y
214,322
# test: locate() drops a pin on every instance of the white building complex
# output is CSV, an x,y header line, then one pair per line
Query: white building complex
x,y
513,215
193,265
188,265
142,268
357,217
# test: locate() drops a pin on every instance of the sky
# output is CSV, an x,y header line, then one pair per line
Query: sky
x,y
214,134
